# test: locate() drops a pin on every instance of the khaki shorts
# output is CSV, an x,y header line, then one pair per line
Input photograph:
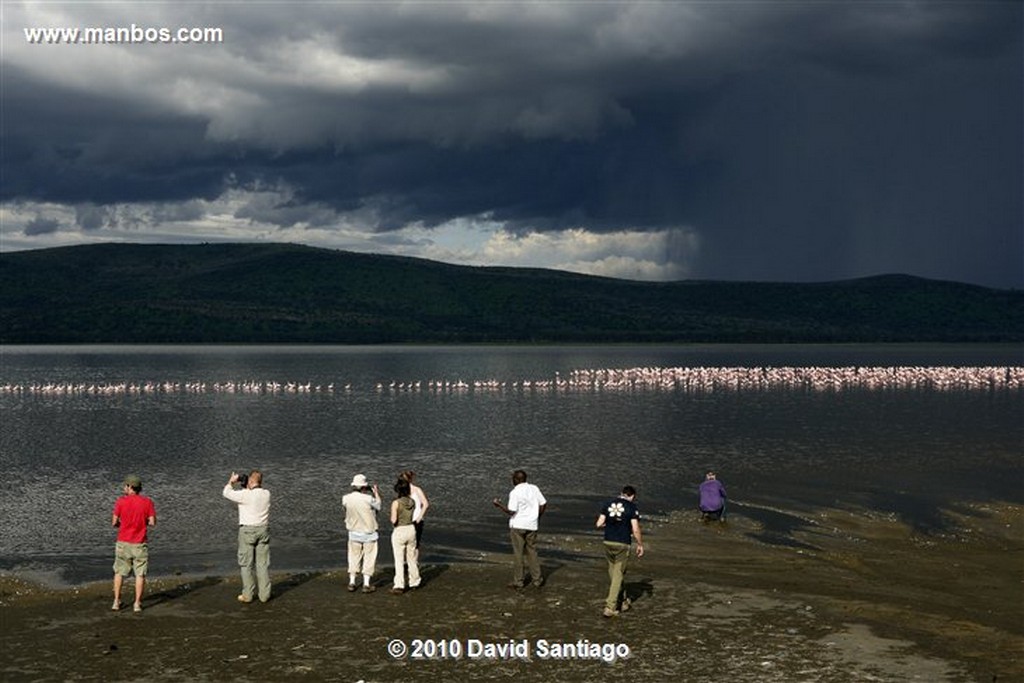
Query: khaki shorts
x,y
129,557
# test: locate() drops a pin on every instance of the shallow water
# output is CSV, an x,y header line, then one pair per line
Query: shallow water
x,y
168,414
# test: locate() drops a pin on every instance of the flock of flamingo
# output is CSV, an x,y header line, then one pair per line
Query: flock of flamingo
x,y
687,379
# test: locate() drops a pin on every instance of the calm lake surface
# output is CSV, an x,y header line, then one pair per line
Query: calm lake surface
x,y
75,420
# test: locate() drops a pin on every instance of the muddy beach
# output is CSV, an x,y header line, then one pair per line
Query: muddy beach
x,y
857,597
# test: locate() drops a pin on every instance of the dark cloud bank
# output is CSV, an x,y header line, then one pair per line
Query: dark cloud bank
x,y
799,141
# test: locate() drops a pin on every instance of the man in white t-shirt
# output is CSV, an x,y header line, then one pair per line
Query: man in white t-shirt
x,y
525,506
253,538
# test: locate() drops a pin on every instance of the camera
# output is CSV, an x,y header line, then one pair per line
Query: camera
x,y
243,479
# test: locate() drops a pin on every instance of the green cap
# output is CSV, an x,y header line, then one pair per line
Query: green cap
x,y
133,481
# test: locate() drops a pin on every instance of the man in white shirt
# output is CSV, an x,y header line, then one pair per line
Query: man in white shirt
x,y
361,508
525,506
253,538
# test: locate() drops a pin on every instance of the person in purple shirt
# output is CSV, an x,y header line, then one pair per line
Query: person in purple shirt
x,y
712,498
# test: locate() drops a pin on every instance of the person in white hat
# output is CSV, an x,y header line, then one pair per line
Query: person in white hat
x,y
361,507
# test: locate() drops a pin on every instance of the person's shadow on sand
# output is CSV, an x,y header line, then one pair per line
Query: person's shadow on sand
x,y
181,590
549,570
283,585
639,589
427,574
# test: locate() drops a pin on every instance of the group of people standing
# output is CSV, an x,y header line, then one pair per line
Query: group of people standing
x,y
407,510
619,518
361,506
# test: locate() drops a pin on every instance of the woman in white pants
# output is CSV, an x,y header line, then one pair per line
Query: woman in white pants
x,y
403,539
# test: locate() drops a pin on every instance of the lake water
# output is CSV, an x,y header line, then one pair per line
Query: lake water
x,y
75,420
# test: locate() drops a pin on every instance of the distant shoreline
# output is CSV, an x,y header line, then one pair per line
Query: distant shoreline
x,y
281,294
760,528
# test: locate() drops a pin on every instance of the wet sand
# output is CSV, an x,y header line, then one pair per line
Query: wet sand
x,y
856,596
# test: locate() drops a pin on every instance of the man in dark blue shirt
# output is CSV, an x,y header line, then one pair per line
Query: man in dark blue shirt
x,y
620,520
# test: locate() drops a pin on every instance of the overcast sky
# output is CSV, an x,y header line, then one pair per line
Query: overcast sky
x,y
780,141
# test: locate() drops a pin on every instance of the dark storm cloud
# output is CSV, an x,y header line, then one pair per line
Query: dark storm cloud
x,y
801,141
92,217
42,226
103,149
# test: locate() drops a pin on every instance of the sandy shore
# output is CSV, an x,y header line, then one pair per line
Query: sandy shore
x,y
859,597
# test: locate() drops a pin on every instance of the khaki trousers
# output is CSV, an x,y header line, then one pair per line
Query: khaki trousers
x,y
254,561
362,557
617,555
524,547
403,545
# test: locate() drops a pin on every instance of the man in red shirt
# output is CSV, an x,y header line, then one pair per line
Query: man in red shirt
x,y
133,515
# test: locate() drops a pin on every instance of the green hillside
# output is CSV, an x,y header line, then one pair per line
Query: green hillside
x,y
258,293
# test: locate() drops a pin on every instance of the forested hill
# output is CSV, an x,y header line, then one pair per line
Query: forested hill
x,y
258,293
